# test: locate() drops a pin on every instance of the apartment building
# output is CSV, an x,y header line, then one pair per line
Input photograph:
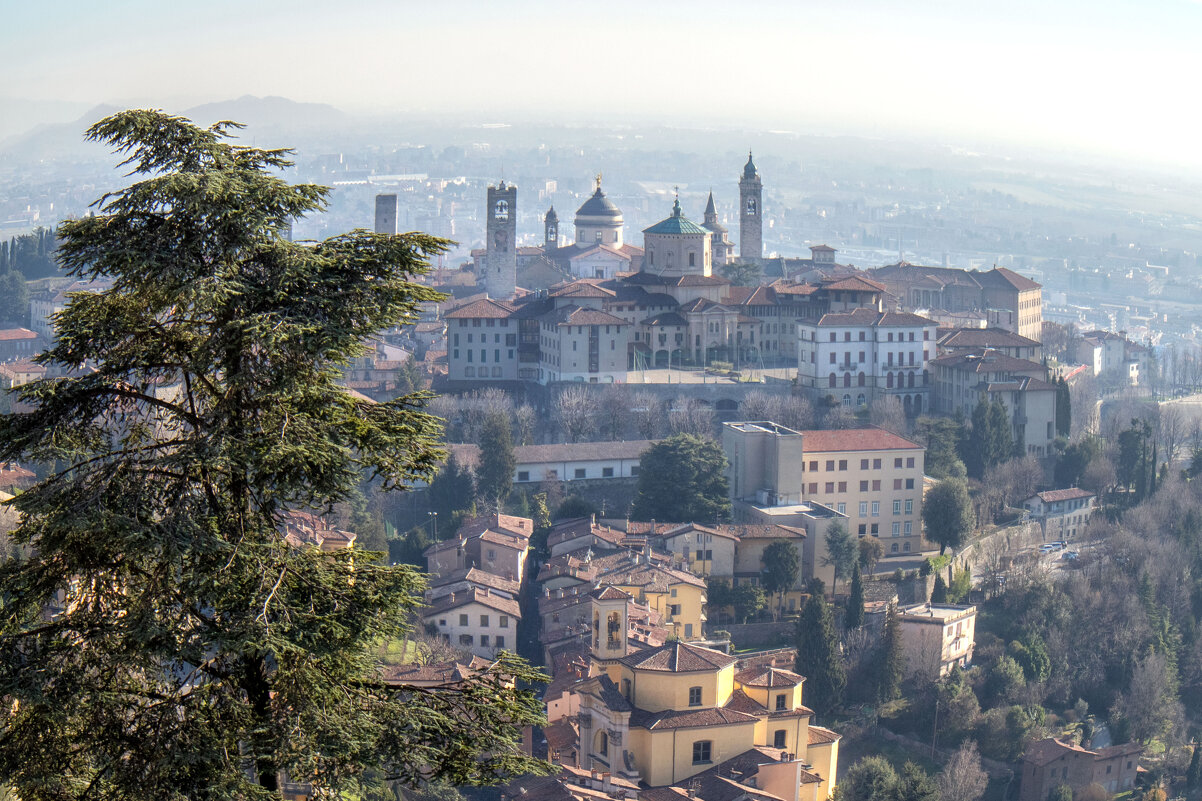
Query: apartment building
x,y
869,476
860,355
478,619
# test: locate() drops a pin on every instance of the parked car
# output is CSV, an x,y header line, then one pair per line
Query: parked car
x,y
1069,555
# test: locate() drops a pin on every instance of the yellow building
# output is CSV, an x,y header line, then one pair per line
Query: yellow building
x,y
664,715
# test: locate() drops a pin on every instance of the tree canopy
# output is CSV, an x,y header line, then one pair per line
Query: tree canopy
x,y
781,566
818,654
163,639
842,553
682,479
947,513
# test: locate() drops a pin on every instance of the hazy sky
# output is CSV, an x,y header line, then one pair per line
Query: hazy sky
x,y
1102,76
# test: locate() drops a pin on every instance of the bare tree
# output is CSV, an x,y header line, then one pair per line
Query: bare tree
x,y
481,404
524,419
1172,430
759,405
839,417
447,407
796,412
647,412
962,778
1083,398
614,409
1099,476
576,412
887,412
691,416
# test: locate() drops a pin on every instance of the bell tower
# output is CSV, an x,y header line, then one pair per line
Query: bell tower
x,y
501,262
751,220
550,231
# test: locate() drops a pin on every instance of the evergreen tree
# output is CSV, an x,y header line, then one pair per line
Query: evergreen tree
x,y
1064,408
14,299
947,513
854,617
842,553
978,443
682,479
818,655
163,639
914,784
939,592
781,565
1002,445
891,658
451,496
494,475
1193,775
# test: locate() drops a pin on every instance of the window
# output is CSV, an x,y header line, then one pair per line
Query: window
x,y
484,620
782,702
897,507
463,620
484,640
830,465
893,548
813,490
897,462
897,483
603,743
523,475
909,506
466,639
876,527
863,529
896,529
813,465
863,486
503,621
876,508
607,472
830,486
863,464
909,461
579,473
842,464
500,641
842,486
701,752
909,483
778,738
908,528
694,696
876,485
842,509
876,464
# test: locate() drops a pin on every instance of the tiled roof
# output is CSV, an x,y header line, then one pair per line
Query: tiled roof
x,y
12,334
688,718
474,575
581,289
1011,278
456,600
874,318
767,676
985,338
561,735
482,309
469,455
855,283
1051,496
666,318
854,439
700,280
742,702
434,673
576,315
985,360
821,736
678,657
1049,749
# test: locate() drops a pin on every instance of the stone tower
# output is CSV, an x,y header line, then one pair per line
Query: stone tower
x,y
501,261
550,231
751,219
386,206
723,249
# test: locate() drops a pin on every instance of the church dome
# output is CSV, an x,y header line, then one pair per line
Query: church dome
x,y
599,206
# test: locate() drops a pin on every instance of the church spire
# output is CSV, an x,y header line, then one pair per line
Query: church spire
x,y
710,211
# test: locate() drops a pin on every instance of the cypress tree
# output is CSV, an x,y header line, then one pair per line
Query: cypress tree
x,y
891,659
1064,408
939,592
818,656
1193,776
854,617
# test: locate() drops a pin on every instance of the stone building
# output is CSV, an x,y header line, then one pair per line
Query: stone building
x,y
751,214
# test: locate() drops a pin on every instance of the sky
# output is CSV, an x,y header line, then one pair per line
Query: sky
x,y
1109,77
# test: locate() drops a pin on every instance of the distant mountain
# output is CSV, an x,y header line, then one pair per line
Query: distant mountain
x,y
20,114
58,140
269,113
268,116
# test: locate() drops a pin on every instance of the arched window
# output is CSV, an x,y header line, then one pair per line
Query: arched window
x,y
847,379
860,399
889,380
911,379
751,205
926,378
860,380
847,401
833,380
501,212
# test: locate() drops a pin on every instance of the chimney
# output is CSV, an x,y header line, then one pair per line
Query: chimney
x,y
607,783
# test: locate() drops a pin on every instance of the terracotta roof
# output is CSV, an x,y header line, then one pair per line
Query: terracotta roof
x,y
481,309
701,280
473,575
767,676
10,334
602,248
576,315
1051,496
678,657
666,318
1019,282
456,600
561,735
434,673
608,593
581,289
822,248
742,702
821,736
874,318
854,283
854,439
985,338
1049,749
688,718
985,360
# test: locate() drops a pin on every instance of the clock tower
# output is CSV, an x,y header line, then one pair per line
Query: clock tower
x,y
501,261
751,219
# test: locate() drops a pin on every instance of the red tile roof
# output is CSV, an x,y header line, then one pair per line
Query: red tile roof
x,y
688,719
10,334
482,309
854,439
678,657
1051,496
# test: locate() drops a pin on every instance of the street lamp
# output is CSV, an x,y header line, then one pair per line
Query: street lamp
x,y
434,517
